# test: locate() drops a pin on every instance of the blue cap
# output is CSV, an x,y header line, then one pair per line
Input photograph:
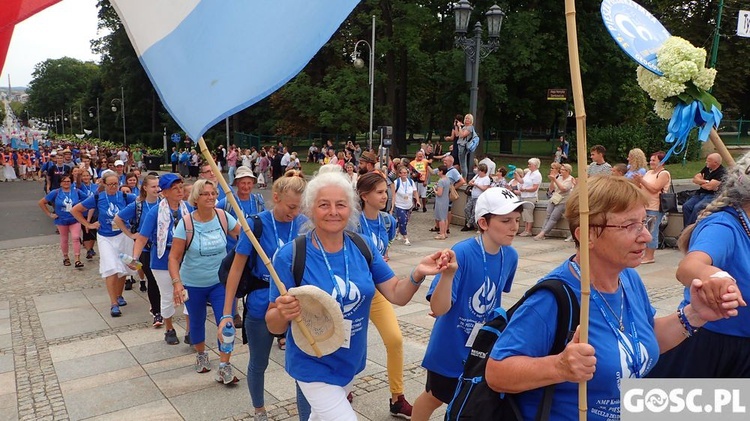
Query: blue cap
x,y
166,180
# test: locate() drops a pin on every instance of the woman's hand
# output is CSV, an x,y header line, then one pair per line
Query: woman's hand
x,y
715,298
438,262
178,288
577,362
53,215
288,307
94,225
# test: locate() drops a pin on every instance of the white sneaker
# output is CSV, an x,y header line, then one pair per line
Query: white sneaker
x,y
399,237
406,242
569,239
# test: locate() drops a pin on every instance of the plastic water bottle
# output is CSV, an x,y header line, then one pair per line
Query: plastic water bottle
x,y
128,260
227,338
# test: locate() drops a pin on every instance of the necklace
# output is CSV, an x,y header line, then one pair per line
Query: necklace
x,y
741,214
622,304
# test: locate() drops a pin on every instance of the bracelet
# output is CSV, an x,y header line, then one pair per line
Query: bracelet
x,y
226,316
175,280
413,281
689,329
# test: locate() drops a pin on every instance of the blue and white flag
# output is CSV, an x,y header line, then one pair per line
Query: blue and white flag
x,y
209,59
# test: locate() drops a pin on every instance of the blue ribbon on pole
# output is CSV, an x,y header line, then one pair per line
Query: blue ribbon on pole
x,y
684,119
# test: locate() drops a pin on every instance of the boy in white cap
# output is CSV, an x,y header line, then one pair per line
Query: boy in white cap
x,y
463,300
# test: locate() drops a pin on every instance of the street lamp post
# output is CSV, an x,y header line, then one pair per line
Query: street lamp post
x,y
473,47
121,101
98,122
359,63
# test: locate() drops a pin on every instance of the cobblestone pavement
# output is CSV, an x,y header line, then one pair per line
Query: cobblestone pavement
x,y
62,357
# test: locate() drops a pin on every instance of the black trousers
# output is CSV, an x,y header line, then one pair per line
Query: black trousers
x,y
706,355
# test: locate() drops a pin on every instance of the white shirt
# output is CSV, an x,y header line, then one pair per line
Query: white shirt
x,y
533,177
285,160
123,155
480,181
490,165
405,193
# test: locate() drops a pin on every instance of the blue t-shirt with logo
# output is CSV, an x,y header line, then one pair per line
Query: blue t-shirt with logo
x,y
531,332
381,230
148,229
252,206
128,215
64,202
721,236
340,367
108,206
272,238
200,264
472,300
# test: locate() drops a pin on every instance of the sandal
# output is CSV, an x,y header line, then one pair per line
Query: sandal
x,y
78,264
281,343
66,262
440,237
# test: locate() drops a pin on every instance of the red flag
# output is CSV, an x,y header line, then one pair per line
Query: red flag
x,y
13,12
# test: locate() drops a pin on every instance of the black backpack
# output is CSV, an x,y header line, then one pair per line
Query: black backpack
x,y
248,282
299,253
473,399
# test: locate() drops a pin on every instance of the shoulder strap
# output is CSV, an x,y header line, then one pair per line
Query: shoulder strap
x,y
138,212
387,217
188,221
222,220
299,253
361,245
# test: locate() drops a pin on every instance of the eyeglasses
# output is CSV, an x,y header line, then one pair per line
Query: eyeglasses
x,y
205,172
112,184
634,228
211,194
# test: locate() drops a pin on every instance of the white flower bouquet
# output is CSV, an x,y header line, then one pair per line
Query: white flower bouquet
x,y
681,93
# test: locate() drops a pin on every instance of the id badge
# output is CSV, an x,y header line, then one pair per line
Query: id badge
x,y
473,334
347,333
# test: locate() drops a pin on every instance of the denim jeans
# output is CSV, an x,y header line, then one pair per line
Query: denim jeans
x,y
259,342
465,158
303,407
694,206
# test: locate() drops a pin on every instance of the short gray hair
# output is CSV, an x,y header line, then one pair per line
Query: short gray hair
x,y
535,161
330,175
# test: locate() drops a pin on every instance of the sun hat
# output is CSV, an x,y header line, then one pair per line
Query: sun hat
x,y
322,316
498,201
243,172
119,162
167,180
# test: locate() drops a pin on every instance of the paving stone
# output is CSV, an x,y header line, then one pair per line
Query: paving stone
x,y
103,400
95,365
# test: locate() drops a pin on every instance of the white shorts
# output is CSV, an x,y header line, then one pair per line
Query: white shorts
x,y
421,189
327,401
166,291
109,255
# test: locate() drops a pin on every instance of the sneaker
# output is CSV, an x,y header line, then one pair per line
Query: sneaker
x,y
186,339
170,337
93,253
424,209
158,320
399,237
569,239
434,229
201,363
350,397
90,254
238,321
226,375
466,228
401,408
406,242
114,311
129,284
121,301
260,416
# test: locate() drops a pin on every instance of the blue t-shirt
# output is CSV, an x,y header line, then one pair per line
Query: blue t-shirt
x,y
453,175
148,229
721,236
175,157
631,173
108,206
472,302
275,234
63,203
87,189
184,157
531,332
252,206
381,230
340,367
200,264
128,215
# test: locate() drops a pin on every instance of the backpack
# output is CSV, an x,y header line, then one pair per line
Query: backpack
x,y
299,253
188,221
136,221
473,399
387,225
472,144
248,283
260,204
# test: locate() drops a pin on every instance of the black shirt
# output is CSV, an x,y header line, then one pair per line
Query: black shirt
x,y
708,175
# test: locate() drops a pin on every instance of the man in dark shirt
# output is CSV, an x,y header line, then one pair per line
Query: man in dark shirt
x,y
55,173
276,170
709,182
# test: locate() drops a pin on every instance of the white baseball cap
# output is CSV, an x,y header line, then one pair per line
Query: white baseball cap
x,y
119,162
498,201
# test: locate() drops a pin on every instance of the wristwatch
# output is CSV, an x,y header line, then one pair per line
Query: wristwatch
x,y
175,280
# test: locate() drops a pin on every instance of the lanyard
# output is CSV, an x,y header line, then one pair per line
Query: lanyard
x,y
251,204
487,284
330,271
276,232
632,349
379,240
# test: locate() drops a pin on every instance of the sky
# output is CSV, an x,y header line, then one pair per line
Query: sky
x,y
64,29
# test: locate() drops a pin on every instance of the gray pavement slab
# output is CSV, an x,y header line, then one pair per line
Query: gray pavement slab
x,y
108,398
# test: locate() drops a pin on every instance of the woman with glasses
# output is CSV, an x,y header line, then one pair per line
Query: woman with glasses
x,y
63,200
194,260
625,337
108,201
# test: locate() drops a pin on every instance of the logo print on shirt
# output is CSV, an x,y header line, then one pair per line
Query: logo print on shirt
x,y
626,361
378,243
67,202
482,300
112,210
351,301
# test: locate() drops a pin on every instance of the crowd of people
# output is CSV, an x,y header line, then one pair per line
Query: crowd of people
x,y
177,231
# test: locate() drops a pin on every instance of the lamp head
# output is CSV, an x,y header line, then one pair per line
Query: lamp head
x,y
359,63
114,109
462,11
494,21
